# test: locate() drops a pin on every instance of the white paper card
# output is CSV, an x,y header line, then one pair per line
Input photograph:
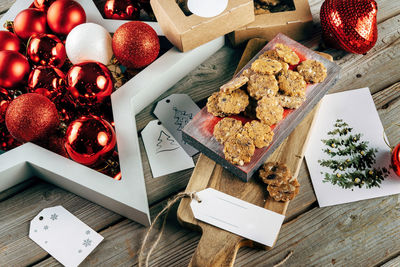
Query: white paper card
x,y
163,151
237,216
175,112
207,8
357,109
63,236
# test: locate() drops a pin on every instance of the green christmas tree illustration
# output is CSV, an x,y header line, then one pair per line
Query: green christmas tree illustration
x,y
351,160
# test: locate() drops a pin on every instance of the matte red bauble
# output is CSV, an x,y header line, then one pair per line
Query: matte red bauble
x,y
28,22
31,117
64,15
9,41
350,24
48,81
135,44
5,100
396,160
90,140
121,9
89,83
14,69
43,4
46,50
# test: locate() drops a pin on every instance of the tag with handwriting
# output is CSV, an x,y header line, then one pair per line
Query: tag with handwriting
x,y
237,216
63,236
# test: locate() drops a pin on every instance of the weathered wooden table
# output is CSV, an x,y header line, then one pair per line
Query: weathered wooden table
x,y
365,233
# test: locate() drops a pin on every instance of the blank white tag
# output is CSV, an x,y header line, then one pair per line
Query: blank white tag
x,y
237,216
63,236
207,8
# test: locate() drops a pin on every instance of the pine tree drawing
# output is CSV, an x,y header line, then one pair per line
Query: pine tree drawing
x,y
182,118
351,160
165,143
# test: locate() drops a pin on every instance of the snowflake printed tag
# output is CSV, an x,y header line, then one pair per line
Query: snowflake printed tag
x,y
163,151
63,236
175,111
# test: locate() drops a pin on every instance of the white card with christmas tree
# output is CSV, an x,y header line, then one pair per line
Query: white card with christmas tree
x,y
347,156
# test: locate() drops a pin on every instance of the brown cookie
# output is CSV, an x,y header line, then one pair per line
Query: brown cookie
x,y
271,54
212,105
286,191
262,85
274,173
234,84
261,133
266,66
226,128
239,149
313,71
233,103
269,111
291,102
291,83
286,54
270,2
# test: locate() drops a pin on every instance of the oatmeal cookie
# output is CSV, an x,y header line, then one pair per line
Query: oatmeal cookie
x,y
266,66
286,191
233,103
271,54
226,128
270,2
274,173
260,133
239,149
247,73
286,54
234,84
269,111
291,102
313,71
262,85
291,83
212,105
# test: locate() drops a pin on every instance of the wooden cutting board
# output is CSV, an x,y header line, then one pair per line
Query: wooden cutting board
x,y
218,247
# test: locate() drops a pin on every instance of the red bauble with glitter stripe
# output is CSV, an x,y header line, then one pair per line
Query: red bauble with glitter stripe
x,y
350,24
396,160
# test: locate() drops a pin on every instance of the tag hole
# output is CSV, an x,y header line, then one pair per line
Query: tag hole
x,y
40,218
159,123
167,100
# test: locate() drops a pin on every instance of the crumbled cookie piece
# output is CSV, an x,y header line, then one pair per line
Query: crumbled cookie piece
x,y
286,191
286,54
266,66
239,149
212,105
291,83
234,84
261,133
262,85
274,173
313,71
233,103
226,128
269,111
291,102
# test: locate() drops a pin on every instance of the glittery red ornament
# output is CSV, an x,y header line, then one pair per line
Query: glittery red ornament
x,y
28,22
350,24
64,15
396,160
31,118
135,44
46,49
14,69
90,140
42,4
89,83
5,100
121,9
9,41
48,81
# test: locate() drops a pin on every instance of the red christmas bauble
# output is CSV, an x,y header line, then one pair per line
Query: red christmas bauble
x,y
56,145
9,41
90,140
48,81
46,49
64,15
28,22
396,160
31,118
89,83
350,24
14,68
135,44
121,9
5,100
43,4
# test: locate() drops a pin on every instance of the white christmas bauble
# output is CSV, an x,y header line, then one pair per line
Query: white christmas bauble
x,y
89,42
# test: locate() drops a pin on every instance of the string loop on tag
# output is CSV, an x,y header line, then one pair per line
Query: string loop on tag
x,y
171,202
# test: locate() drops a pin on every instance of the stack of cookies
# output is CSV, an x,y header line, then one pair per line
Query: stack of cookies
x,y
276,80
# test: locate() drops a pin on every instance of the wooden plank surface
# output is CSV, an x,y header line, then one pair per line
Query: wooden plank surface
x,y
364,233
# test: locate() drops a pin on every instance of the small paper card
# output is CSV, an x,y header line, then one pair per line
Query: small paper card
x,y
163,151
175,112
237,216
63,236
207,8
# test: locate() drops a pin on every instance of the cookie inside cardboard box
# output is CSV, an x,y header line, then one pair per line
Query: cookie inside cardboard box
x,y
273,6
241,155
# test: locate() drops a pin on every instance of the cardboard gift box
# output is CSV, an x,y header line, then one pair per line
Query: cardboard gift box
x,y
297,24
190,31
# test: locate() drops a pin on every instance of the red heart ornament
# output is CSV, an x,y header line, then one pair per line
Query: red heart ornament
x,y
350,24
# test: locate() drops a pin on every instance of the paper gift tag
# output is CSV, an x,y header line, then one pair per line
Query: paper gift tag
x,y
207,8
63,236
237,216
175,112
163,151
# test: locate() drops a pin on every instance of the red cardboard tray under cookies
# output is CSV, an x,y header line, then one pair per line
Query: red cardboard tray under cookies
x,y
199,132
